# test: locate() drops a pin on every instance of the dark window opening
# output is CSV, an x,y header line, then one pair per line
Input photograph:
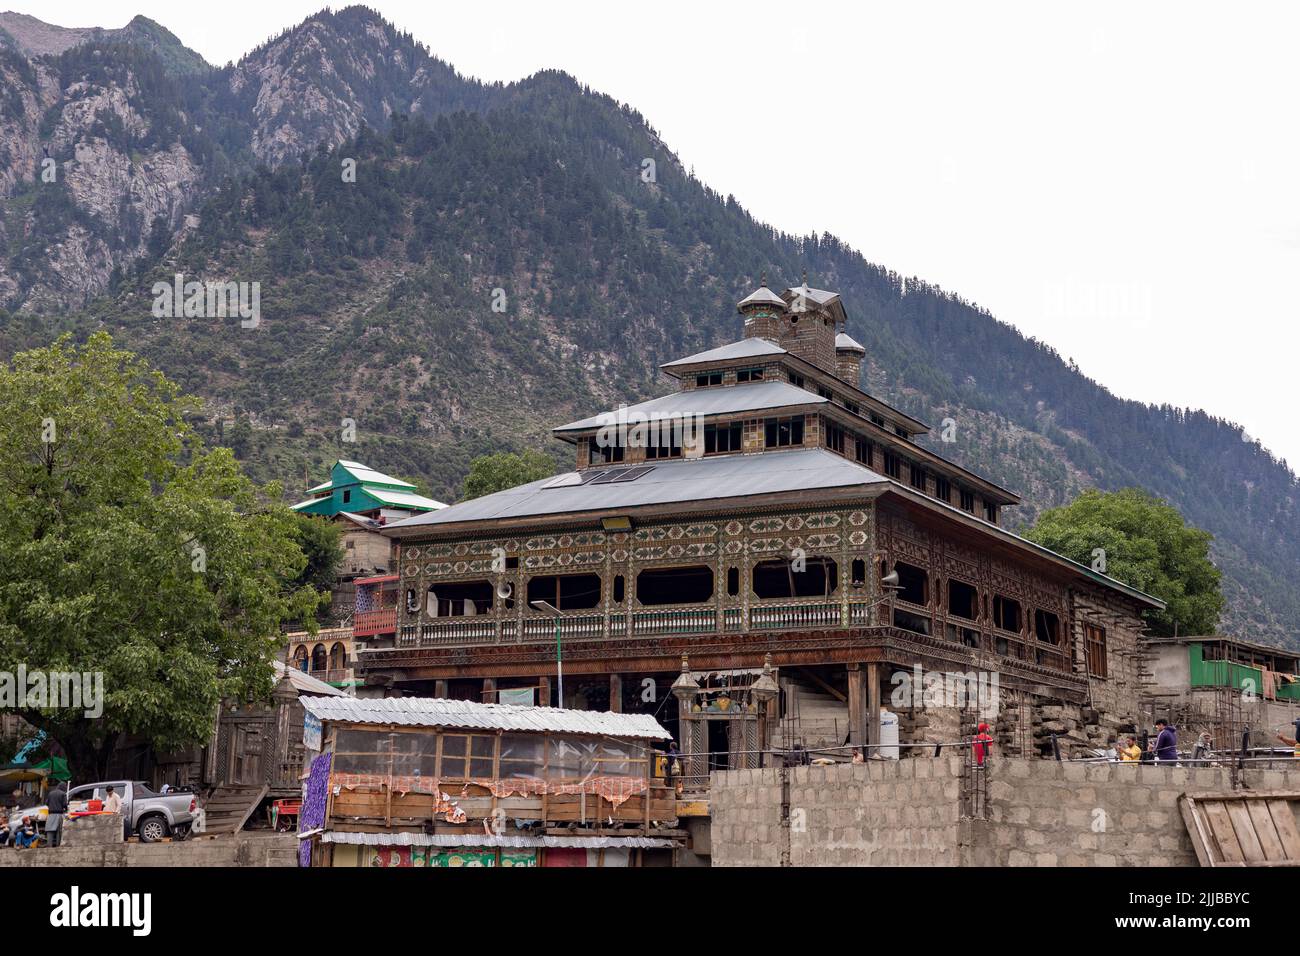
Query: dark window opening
x,y
565,592
782,579
347,496
835,438
859,572
783,432
909,621
825,393
1047,627
607,454
660,446
733,581
963,600
918,477
719,438
900,431
709,378
749,375
460,598
943,489
991,513
878,420
863,451
796,380
691,585
852,406
1006,614
893,468
967,501
913,584
619,589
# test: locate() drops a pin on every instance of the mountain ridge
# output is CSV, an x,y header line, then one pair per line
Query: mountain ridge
x,y
376,294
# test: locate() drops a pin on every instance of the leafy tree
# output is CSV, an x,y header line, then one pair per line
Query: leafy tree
x,y
128,550
492,473
1147,545
321,542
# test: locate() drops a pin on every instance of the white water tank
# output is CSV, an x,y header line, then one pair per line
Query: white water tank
x,y
888,735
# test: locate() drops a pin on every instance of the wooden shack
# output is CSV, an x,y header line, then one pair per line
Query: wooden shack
x,y
434,782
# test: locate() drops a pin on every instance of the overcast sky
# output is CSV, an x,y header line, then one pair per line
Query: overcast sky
x,y
1118,180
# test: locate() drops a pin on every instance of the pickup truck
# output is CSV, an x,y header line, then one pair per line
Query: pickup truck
x,y
149,815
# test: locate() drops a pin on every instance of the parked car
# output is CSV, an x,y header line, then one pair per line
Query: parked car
x,y
151,816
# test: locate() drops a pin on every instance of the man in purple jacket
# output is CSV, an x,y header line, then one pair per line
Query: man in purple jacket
x,y
1166,741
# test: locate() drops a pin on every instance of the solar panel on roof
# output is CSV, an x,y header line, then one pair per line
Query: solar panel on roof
x,y
632,474
605,477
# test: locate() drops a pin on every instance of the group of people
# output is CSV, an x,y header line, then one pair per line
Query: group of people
x,y
28,834
1161,748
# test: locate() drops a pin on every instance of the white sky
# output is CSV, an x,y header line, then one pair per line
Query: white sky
x,y
1116,179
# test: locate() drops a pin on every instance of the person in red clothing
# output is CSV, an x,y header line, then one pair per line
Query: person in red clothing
x,y
983,745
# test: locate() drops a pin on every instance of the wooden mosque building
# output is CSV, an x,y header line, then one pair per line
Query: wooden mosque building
x,y
763,557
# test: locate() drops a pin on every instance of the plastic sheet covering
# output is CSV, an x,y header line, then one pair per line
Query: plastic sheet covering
x,y
480,839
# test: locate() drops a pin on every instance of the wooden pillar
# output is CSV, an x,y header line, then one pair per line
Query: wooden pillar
x,y
857,705
440,689
873,704
616,693
489,695
543,692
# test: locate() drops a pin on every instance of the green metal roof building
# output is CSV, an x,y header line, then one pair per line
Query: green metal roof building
x,y
355,488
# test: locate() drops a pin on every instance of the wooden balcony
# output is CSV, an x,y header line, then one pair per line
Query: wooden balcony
x,y
368,623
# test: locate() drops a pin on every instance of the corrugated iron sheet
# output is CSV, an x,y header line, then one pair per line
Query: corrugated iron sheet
x,y
471,715
481,839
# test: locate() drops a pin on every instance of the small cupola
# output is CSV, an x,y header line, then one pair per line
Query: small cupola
x,y
762,310
848,359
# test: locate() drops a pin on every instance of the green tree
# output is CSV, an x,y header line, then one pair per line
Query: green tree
x,y
129,551
321,541
1146,544
492,473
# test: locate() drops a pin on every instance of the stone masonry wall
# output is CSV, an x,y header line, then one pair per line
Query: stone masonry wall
x,y
882,813
909,812
262,849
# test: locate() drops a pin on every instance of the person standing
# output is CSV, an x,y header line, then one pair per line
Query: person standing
x,y
57,802
112,801
1130,752
1166,742
983,745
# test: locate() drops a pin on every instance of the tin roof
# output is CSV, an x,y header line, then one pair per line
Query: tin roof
x,y
758,396
762,296
745,348
668,482
304,683
845,341
471,715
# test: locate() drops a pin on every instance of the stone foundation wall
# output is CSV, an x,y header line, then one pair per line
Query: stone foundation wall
x,y
910,812
262,849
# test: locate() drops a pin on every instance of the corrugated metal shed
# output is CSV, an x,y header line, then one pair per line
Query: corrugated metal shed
x,y
670,482
305,683
471,715
706,401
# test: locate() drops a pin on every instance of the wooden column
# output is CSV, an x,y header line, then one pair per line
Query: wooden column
x,y
857,705
440,689
616,693
543,692
489,695
873,704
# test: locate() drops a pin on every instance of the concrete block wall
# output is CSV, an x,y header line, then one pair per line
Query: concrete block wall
x,y
882,813
908,813
261,849
1045,813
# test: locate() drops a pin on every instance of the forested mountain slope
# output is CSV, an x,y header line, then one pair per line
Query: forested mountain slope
x,y
378,293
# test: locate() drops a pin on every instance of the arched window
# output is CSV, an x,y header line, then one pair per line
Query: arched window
x,y
300,658
318,660
337,657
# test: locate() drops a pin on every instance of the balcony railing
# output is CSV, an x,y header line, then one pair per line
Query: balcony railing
x,y
383,621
